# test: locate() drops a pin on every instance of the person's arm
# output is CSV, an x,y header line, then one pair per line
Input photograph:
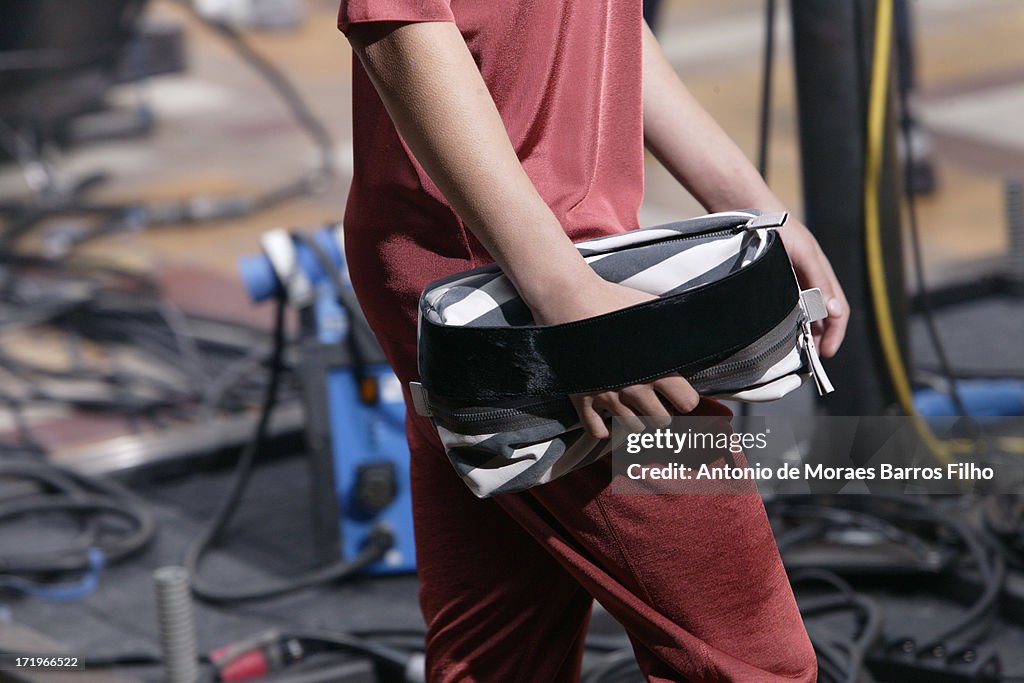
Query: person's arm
x,y
702,157
439,103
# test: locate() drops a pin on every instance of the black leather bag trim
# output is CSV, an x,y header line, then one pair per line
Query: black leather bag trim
x,y
684,333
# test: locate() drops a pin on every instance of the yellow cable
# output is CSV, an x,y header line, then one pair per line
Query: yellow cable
x,y
877,111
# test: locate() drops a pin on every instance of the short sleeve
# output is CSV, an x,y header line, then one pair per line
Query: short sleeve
x,y
361,11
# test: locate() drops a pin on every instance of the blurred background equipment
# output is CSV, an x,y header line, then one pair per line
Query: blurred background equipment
x,y
107,524
58,62
136,367
62,59
829,59
253,13
354,406
105,342
865,240
355,423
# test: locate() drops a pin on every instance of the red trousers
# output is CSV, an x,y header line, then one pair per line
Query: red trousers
x,y
506,584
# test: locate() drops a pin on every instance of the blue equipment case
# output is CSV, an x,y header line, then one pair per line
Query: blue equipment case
x,y
355,412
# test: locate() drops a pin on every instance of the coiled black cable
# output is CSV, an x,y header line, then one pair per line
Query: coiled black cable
x,y
905,520
840,657
95,503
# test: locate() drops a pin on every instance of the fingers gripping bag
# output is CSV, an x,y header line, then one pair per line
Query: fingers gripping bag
x,y
730,317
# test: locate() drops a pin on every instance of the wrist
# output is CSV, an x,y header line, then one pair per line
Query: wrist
x,y
542,262
552,293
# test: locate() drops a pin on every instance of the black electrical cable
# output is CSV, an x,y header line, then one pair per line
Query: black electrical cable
x,y
92,501
764,119
828,578
413,638
84,269
380,539
391,647
27,443
140,325
828,518
870,617
23,217
381,654
927,311
315,642
600,643
614,667
831,662
198,208
84,307
840,658
215,390
767,66
375,650
974,624
1003,516
408,643
980,616
378,543
137,319
133,395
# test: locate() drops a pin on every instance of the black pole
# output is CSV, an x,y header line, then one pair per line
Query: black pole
x,y
832,54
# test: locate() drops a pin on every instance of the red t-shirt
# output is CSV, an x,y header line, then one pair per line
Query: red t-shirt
x,y
566,78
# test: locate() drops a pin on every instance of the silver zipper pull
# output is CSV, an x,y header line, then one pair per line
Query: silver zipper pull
x,y
821,380
766,221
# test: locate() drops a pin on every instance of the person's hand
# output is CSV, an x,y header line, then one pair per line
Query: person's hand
x,y
813,270
657,398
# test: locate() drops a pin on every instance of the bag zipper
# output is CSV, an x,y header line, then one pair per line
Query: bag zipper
x,y
769,221
467,417
729,370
